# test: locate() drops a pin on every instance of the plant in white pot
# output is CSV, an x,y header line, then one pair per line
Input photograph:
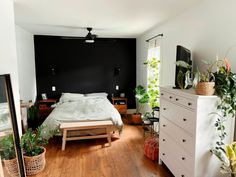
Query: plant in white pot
x,y
8,154
141,99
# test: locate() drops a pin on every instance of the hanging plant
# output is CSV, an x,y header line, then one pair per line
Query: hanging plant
x,y
153,66
225,88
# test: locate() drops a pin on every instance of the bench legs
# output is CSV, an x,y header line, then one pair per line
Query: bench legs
x,y
64,139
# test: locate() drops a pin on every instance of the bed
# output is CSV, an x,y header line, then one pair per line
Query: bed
x,y
5,123
79,107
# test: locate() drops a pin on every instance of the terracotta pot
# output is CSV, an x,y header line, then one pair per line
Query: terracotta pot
x,y
12,167
205,88
136,119
35,164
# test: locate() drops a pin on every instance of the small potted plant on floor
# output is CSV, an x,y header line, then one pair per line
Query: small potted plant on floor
x,y
34,153
141,98
8,154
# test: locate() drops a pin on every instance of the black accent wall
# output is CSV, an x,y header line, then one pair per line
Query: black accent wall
x,y
75,66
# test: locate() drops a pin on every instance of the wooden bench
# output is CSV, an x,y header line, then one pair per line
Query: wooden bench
x,y
86,126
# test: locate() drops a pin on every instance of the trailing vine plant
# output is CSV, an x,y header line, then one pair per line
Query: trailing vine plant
x,y
225,88
153,66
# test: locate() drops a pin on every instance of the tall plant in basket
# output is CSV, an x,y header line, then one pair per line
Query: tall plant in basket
x,y
8,154
34,153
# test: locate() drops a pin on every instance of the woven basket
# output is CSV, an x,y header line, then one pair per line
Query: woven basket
x,y
12,167
35,164
205,88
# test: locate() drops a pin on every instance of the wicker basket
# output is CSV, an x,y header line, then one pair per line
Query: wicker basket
x,y
205,88
35,164
12,167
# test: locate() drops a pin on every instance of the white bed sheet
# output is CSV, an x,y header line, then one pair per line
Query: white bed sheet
x,y
5,121
83,109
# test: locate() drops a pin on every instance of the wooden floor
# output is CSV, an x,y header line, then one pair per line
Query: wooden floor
x,y
87,158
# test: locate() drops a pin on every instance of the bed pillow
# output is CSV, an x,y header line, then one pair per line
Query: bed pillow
x,y
68,97
100,94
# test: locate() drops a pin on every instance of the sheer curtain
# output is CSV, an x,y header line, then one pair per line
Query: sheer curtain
x,y
153,70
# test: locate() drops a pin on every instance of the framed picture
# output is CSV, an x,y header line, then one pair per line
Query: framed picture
x,y
44,96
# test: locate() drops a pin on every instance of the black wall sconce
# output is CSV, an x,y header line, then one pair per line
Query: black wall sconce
x,y
53,72
116,71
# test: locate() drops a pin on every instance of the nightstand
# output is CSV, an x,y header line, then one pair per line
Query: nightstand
x,y
120,104
45,107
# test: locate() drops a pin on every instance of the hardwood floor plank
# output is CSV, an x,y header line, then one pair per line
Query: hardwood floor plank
x,y
88,158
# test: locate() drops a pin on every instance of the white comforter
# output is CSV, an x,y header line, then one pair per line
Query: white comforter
x,y
83,109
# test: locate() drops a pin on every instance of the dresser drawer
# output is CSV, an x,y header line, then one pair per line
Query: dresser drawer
x,y
182,117
179,155
182,138
167,95
185,102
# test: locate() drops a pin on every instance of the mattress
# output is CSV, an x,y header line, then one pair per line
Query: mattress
x,y
93,108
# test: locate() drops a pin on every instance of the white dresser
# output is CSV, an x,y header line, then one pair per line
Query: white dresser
x,y
187,133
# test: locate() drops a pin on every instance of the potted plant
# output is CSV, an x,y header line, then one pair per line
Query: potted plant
x,y
141,99
8,154
33,151
145,117
227,156
32,116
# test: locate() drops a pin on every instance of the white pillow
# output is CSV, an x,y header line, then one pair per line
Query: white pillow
x,y
67,97
100,94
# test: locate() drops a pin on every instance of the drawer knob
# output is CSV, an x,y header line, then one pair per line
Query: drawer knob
x,y
163,154
164,109
182,175
177,99
162,94
170,97
184,140
164,125
189,104
164,140
184,119
183,158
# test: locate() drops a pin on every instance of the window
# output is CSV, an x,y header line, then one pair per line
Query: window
x,y
153,71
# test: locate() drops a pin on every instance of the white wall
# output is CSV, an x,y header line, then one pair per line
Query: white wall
x,y
206,29
8,59
26,64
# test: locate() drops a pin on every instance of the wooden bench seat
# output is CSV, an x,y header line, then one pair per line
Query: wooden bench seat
x,y
72,126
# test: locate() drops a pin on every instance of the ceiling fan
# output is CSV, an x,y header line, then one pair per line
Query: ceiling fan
x,y
89,38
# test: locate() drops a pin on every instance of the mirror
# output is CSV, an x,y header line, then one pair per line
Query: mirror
x,y
11,159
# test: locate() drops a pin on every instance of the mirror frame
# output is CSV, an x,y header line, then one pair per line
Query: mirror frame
x,y
12,111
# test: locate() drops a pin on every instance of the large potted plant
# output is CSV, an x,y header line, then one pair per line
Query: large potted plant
x,y
32,142
141,99
8,154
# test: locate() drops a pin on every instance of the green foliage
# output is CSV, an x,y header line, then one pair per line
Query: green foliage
x,y
32,141
141,96
153,81
7,148
225,88
33,112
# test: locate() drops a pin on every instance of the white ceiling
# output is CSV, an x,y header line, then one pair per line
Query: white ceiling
x,y
109,18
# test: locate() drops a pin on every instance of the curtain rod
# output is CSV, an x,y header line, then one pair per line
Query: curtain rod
x,y
154,37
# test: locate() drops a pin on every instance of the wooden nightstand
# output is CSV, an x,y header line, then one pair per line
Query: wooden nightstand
x,y
45,107
120,104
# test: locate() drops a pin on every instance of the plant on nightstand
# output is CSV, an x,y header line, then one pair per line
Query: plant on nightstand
x,y
8,154
32,116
